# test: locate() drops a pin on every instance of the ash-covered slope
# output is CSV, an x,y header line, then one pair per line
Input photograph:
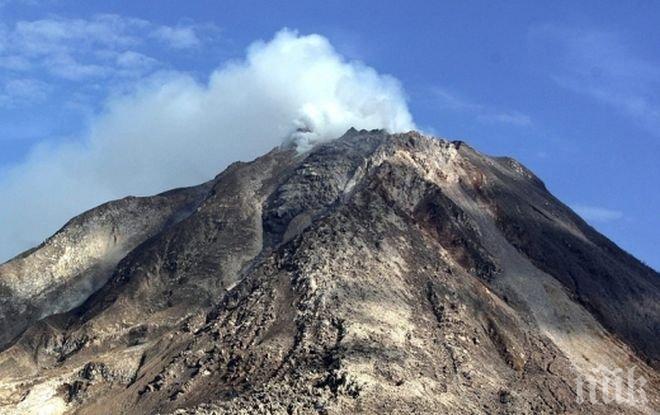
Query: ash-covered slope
x,y
71,265
376,273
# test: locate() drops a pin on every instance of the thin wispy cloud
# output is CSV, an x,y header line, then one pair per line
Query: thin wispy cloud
x,y
23,91
603,66
104,50
451,101
597,213
4,3
177,37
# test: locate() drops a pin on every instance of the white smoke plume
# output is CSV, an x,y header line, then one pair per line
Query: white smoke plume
x,y
173,131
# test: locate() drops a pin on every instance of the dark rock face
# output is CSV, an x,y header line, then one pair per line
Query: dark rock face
x,y
376,273
622,292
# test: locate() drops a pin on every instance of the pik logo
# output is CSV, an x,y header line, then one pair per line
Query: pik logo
x,y
607,385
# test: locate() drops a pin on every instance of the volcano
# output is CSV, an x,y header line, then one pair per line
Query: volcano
x,y
375,273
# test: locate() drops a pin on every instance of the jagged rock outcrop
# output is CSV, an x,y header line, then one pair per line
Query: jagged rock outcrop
x,y
375,273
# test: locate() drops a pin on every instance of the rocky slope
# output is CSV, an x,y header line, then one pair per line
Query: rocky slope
x,y
75,262
376,273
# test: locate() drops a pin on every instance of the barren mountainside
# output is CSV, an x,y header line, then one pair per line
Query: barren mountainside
x,y
376,273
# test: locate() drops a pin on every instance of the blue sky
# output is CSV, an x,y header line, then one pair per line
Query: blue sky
x,y
571,89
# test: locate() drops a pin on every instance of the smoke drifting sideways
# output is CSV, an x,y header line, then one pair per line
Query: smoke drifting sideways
x,y
174,131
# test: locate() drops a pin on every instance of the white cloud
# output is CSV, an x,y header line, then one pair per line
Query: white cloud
x,y
61,35
66,67
603,66
596,213
174,131
451,101
177,37
6,3
26,88
15,63
78,49
130,59
512,117
23,91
